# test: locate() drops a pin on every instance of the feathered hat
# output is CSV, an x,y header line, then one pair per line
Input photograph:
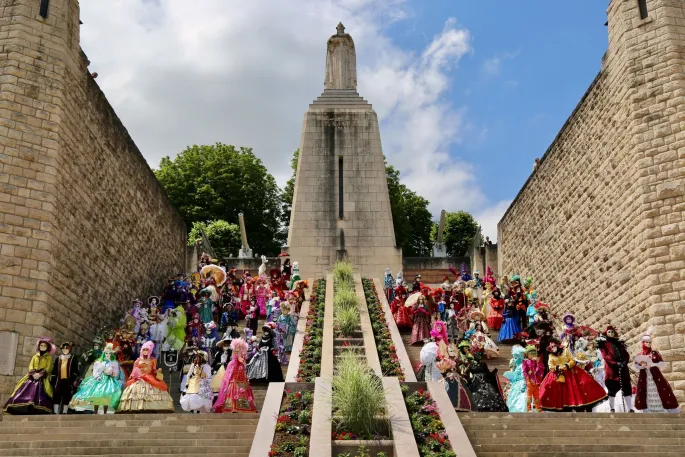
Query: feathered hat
x,y
150,346
647,336
464,344
47,340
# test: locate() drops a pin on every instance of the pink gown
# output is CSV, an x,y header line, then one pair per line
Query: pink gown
x,y
235,394
262,293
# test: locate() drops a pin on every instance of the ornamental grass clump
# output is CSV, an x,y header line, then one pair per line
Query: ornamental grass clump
x,y
343,271
347,321
346,299
359,403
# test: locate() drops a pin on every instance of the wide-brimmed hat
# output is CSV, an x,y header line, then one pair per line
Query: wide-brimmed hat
x,y
47,340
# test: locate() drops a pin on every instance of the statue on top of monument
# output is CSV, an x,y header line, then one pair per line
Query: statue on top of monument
x,y
341,61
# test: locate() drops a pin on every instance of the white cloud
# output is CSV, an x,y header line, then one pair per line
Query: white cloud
x,y
489,217
244,73
493,66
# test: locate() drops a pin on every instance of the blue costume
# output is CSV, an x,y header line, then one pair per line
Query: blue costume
x,y
511,324
516,400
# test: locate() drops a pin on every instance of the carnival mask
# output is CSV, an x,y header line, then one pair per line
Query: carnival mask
x,y
43,347
66,350
611,334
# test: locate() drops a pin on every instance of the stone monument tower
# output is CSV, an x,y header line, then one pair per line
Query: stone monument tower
x,y
341,205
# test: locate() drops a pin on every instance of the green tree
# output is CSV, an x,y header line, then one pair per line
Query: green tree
x,y
207,183
460,228
223,236
400,220
289,192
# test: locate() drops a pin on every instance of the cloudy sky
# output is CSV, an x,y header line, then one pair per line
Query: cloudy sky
x,y
468,93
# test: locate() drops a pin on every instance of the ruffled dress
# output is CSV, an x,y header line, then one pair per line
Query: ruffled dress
x,y
401,314
198,389
103,388
516,400
569,389
495,317
511,325
422,325
235,394
654,393
33,396
486,393
144,392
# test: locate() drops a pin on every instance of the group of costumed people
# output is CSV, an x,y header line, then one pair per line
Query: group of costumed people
x,y
180,329
554,367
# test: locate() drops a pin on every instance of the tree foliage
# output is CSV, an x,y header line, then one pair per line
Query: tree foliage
x,y
410,217
223,236
460,228
210,183
289,192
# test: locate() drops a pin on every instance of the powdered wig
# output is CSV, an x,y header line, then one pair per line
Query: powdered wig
x,y
150,346
239,347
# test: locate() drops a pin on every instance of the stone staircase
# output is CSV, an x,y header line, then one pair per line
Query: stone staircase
x,y
575,434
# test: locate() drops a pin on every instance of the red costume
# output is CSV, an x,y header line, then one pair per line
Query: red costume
x,y
401,313
495,317
246,291
616,359
654,393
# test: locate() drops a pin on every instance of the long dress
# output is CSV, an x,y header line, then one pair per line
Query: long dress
x,y
458,393
291,330
144,392
264,366
654,393
422,325
235,394
485,391
33,396
262,293
516,400
206,309
511,325
571,388
401,314
495,317
103,388
198,390
221,360
245,297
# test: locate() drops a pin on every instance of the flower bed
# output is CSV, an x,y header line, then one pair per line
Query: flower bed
x,y
390,363
429,431
293,425
310,355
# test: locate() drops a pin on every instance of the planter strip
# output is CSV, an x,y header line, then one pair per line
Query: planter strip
x,y
294,362
367,331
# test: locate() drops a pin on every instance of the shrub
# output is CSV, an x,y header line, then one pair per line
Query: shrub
x,y
358,398
347,320
346,299
343,271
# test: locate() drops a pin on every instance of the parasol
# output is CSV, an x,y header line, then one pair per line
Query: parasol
x,y
216,272
429,353
412,299
476,316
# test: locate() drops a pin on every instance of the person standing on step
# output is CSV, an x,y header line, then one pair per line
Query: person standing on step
x,y
105,385
199,395
145,389
617,375
654,393
265,366
421,326
64,378
33,393
517,398
533,373
235,394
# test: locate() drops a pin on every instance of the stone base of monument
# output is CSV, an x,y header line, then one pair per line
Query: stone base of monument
x,y
245,254
439,250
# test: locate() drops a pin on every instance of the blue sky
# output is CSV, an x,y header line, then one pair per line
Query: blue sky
x,y
530,64
468,93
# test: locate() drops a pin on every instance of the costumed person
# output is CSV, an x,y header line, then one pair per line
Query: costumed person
x,y
510,327
222,357
33,393
295,277
517,398
273,307
452,329
65,378
159,331
442,308
654,393
265,366
533,373
495,317
570,333
209,339
429,371
206,307
617,375
290,323
262,293
235,394
421,321
478,287
176,334
196,329
188,355
401,313
567,387
388,285
279,343
286,271
89,357
199,395
275,282
446,287
486,393
252,317
145,389
454,385
463,316
479,335
103,387
246,292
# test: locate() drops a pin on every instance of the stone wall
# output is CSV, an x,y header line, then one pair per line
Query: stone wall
x,y
599,224
84,225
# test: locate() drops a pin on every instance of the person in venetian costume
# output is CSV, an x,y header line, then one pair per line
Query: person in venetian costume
x,y
65,378
401,313
265,366
533,373
176,334
273,307
280,343
616,361
429,370
486,393
295,276
452,330
654,393
235,394
510,327
222,357
421,321
455,385
479,334
209,339
246,293
104,387
516,400
159,331
34,393
206,306
89,357
290,321
567,387
262,293
146,390
388,285
495,317
199,395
